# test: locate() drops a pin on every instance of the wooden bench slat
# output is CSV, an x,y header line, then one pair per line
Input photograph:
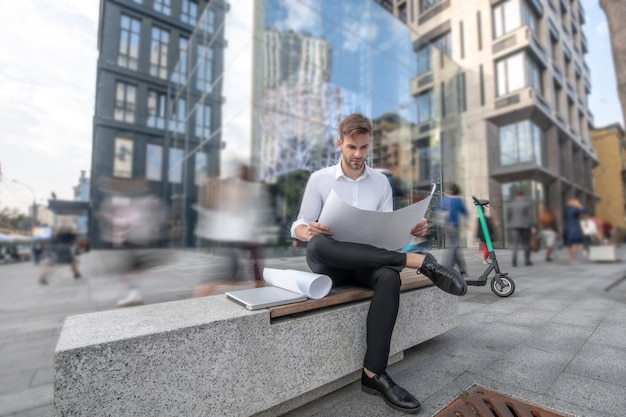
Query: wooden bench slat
x,y
341,295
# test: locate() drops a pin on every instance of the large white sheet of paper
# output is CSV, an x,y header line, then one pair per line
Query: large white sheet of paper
x,y
311,285
387,230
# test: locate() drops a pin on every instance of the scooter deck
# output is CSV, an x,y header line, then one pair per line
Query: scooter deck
x,y
478,282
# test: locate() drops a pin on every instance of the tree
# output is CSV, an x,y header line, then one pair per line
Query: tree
x,y
615,11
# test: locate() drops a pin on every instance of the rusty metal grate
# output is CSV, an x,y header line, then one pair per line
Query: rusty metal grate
x,y
482,402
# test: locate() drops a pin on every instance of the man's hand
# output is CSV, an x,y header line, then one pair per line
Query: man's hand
x,y
420,229
306,233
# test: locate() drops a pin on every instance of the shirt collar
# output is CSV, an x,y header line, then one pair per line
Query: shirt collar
x,y
339,172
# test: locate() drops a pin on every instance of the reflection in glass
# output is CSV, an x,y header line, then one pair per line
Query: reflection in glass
x,y
158,52
267,85
154,161
129,42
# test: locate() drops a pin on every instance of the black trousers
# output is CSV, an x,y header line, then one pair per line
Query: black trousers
x,y
366,266
520,237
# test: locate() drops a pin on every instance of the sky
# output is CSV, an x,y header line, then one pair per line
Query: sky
x,y
48,57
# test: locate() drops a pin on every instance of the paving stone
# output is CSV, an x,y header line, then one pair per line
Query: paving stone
x,y
558,341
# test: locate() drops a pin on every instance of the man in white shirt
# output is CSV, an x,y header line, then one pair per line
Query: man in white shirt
x,y
365,265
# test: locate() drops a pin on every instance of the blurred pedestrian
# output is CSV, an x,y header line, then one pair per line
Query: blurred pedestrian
x,y
235,215
37,250
547,221
572,232
397,191
590,232
454,206
131,218
607,231
519,222
61,253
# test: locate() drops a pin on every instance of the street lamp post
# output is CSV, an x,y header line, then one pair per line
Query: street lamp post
x,y
34,209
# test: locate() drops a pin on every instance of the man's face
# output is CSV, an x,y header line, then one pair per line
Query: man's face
x,y
354,151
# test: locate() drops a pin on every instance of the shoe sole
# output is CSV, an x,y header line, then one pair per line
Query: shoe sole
x,y
372,391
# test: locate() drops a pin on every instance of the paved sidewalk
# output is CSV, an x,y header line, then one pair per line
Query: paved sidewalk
x,y
559,341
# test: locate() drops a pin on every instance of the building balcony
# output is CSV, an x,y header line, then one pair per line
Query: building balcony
x,y
422,82
519,105
520,38
583,42
522,171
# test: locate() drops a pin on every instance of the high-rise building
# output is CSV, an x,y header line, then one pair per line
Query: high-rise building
x,y
145,51
523,88
610,176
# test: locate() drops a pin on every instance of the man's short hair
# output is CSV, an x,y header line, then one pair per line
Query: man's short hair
x,y
353,124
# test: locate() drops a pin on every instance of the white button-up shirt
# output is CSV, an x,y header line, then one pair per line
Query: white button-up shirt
x,y
371,191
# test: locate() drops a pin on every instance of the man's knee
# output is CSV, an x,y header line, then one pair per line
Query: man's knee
x,y
316,246
387,279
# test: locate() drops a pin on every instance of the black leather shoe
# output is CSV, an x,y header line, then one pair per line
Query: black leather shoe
x,y
397,397
445,278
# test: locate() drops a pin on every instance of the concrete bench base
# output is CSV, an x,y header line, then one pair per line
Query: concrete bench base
x,y
210,356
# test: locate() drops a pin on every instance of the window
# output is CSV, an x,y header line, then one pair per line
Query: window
x,y
402,12
567,58
571,113
529,18
175,162
154,162
201,168
425,106
558,96
506,17
189,12
427,4
581,126
554,50
179,115
179,75
158,52
206,25
424,54
510,74
156,109
125,95
424,63
204,78
521,142
203,121
123,158
129,43
163,6
423,162
444,44
534,75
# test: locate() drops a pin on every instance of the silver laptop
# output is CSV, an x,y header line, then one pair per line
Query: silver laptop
x,y
264,297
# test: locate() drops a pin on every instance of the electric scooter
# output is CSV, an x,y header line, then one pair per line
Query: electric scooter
x,y
501,284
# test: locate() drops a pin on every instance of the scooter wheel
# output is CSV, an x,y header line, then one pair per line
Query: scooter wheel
x,y
507,288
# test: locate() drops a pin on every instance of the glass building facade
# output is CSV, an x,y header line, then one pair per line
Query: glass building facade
x,y
265,84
